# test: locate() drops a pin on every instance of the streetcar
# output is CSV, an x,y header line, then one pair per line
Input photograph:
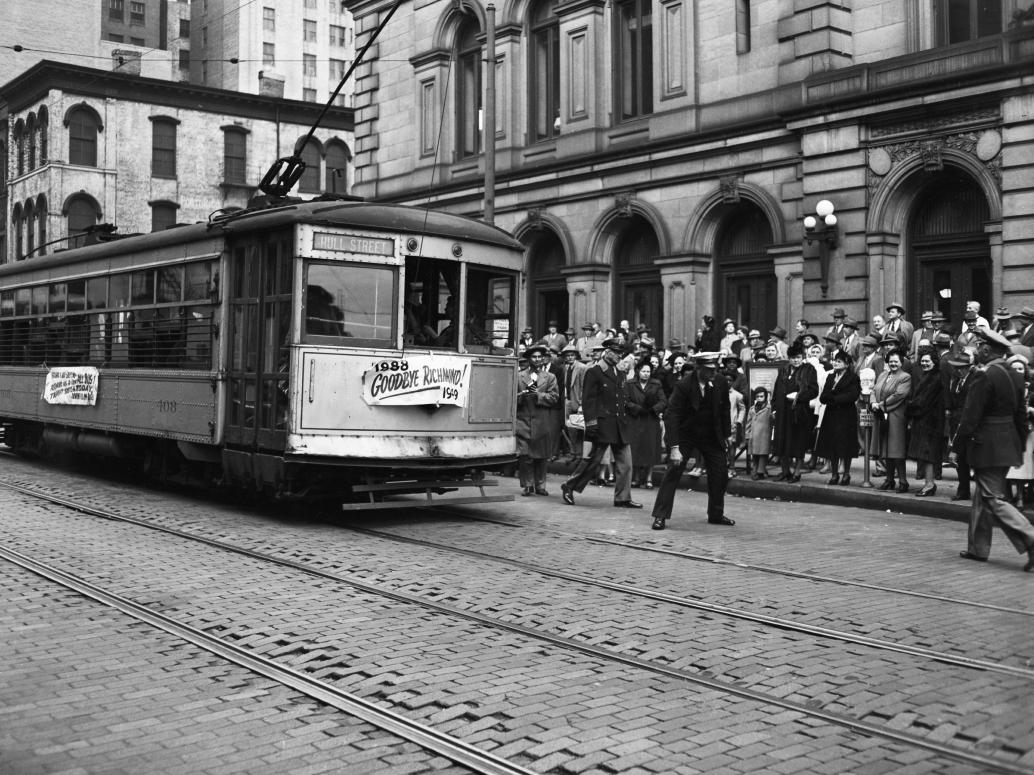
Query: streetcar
x,y
323,349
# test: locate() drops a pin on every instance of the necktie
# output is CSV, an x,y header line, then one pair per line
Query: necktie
x,y
570,374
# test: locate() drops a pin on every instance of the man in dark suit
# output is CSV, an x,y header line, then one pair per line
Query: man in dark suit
x,y
1026,322
989,433
697,417
897,324
606,425
959,366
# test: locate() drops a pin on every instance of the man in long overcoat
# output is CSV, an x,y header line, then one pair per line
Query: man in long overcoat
x,y
607,424
990,433
537,393
698,417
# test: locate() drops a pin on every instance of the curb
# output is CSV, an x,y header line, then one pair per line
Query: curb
x,y
853,496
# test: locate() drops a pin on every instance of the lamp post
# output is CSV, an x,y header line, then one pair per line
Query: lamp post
x,y
823,230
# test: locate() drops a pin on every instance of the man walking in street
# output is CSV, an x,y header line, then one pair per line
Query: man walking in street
x,y
697,417
989,433
606,425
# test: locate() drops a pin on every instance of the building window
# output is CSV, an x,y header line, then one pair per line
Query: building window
x,y
29,227
544,100
309,65
204,37
163,147
137,41
185,29
184,58
136,13
268,54
742,26
41,225
30,142
309,31
337,168
82,137
338,35
43,128
114,37
956,21
235,156
116,10
310,179
337,71
308,95
81,214
468,92
163,215
269,19
634,72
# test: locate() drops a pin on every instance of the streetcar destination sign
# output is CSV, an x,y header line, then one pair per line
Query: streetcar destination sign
x,y
413,381
352,243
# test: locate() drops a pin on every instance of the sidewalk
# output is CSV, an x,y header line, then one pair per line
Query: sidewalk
x,y
813,488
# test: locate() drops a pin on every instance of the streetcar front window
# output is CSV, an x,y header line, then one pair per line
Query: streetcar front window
x,y
350,304
432,308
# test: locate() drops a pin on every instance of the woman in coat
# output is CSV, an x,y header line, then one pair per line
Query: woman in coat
x,y
926,420
645,402
889,401
794,418
838,436
757,433
537,393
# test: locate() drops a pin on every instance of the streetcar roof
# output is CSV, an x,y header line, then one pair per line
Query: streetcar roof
x,y
359,215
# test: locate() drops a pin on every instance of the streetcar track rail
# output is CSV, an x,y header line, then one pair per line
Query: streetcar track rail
x,y
859,726
445,745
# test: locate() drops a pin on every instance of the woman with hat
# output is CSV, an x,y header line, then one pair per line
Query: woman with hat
x,y
838,436
1021,478
925,414
889,400
792,413
708,337
645,402
537,393
730,336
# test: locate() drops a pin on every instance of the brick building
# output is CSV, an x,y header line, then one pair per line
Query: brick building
x,y
659,157
81,146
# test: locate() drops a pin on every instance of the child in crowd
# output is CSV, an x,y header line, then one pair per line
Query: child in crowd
x,y
757,432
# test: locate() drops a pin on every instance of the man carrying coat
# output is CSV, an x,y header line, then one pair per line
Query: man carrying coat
x,y
989,433
606,425
697,417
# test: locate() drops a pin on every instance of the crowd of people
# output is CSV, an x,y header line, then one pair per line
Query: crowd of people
x,y
620,404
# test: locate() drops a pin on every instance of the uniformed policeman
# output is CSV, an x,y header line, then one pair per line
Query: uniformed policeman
x,y
606,425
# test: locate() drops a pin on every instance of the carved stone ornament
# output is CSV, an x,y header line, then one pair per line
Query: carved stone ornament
x,y
730,188
535,219
930,152
930,125
623,203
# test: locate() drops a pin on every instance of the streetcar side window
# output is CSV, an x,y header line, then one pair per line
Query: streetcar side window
x,y
490,310
350,304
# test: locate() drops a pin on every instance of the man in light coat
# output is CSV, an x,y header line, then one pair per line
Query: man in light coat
x,y
537,394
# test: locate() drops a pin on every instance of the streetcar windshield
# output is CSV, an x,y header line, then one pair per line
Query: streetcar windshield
x,y
490,311
350,304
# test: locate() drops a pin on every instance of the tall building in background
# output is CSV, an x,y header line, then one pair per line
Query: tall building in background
x,y
71,34
147,37
297,48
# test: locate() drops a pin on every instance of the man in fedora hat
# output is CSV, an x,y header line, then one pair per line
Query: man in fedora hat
x,y
779,335
959,366
991,433
553,337
925,331
970,326
607,424
896,322
851,343
1026,317
1002,320
974,306
537,394
585,342
836,331
698,417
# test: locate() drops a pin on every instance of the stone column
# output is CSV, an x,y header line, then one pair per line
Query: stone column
x,y
885,266
788,261
687,293
588,291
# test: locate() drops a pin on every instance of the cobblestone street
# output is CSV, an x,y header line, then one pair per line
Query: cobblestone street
x,y
556,639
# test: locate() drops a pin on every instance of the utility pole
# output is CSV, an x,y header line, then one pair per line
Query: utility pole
x,y
490,115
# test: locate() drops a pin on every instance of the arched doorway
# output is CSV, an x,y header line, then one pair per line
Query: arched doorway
x,y
638,292
745,281
547,288
949,250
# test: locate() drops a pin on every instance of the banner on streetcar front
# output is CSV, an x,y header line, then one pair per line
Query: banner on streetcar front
x,y
418,380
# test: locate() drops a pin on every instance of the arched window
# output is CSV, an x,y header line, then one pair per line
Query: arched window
x,y
83,126
19,147
43,129
41,224
163,215
311,154
30,142
544,78
16,227
81,212
468,91
634,45
337,167
27,227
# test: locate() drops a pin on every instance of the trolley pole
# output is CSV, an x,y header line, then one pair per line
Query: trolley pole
x,y
490,115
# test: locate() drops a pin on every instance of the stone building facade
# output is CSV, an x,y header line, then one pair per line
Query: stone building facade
x,y
659,157
80,147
